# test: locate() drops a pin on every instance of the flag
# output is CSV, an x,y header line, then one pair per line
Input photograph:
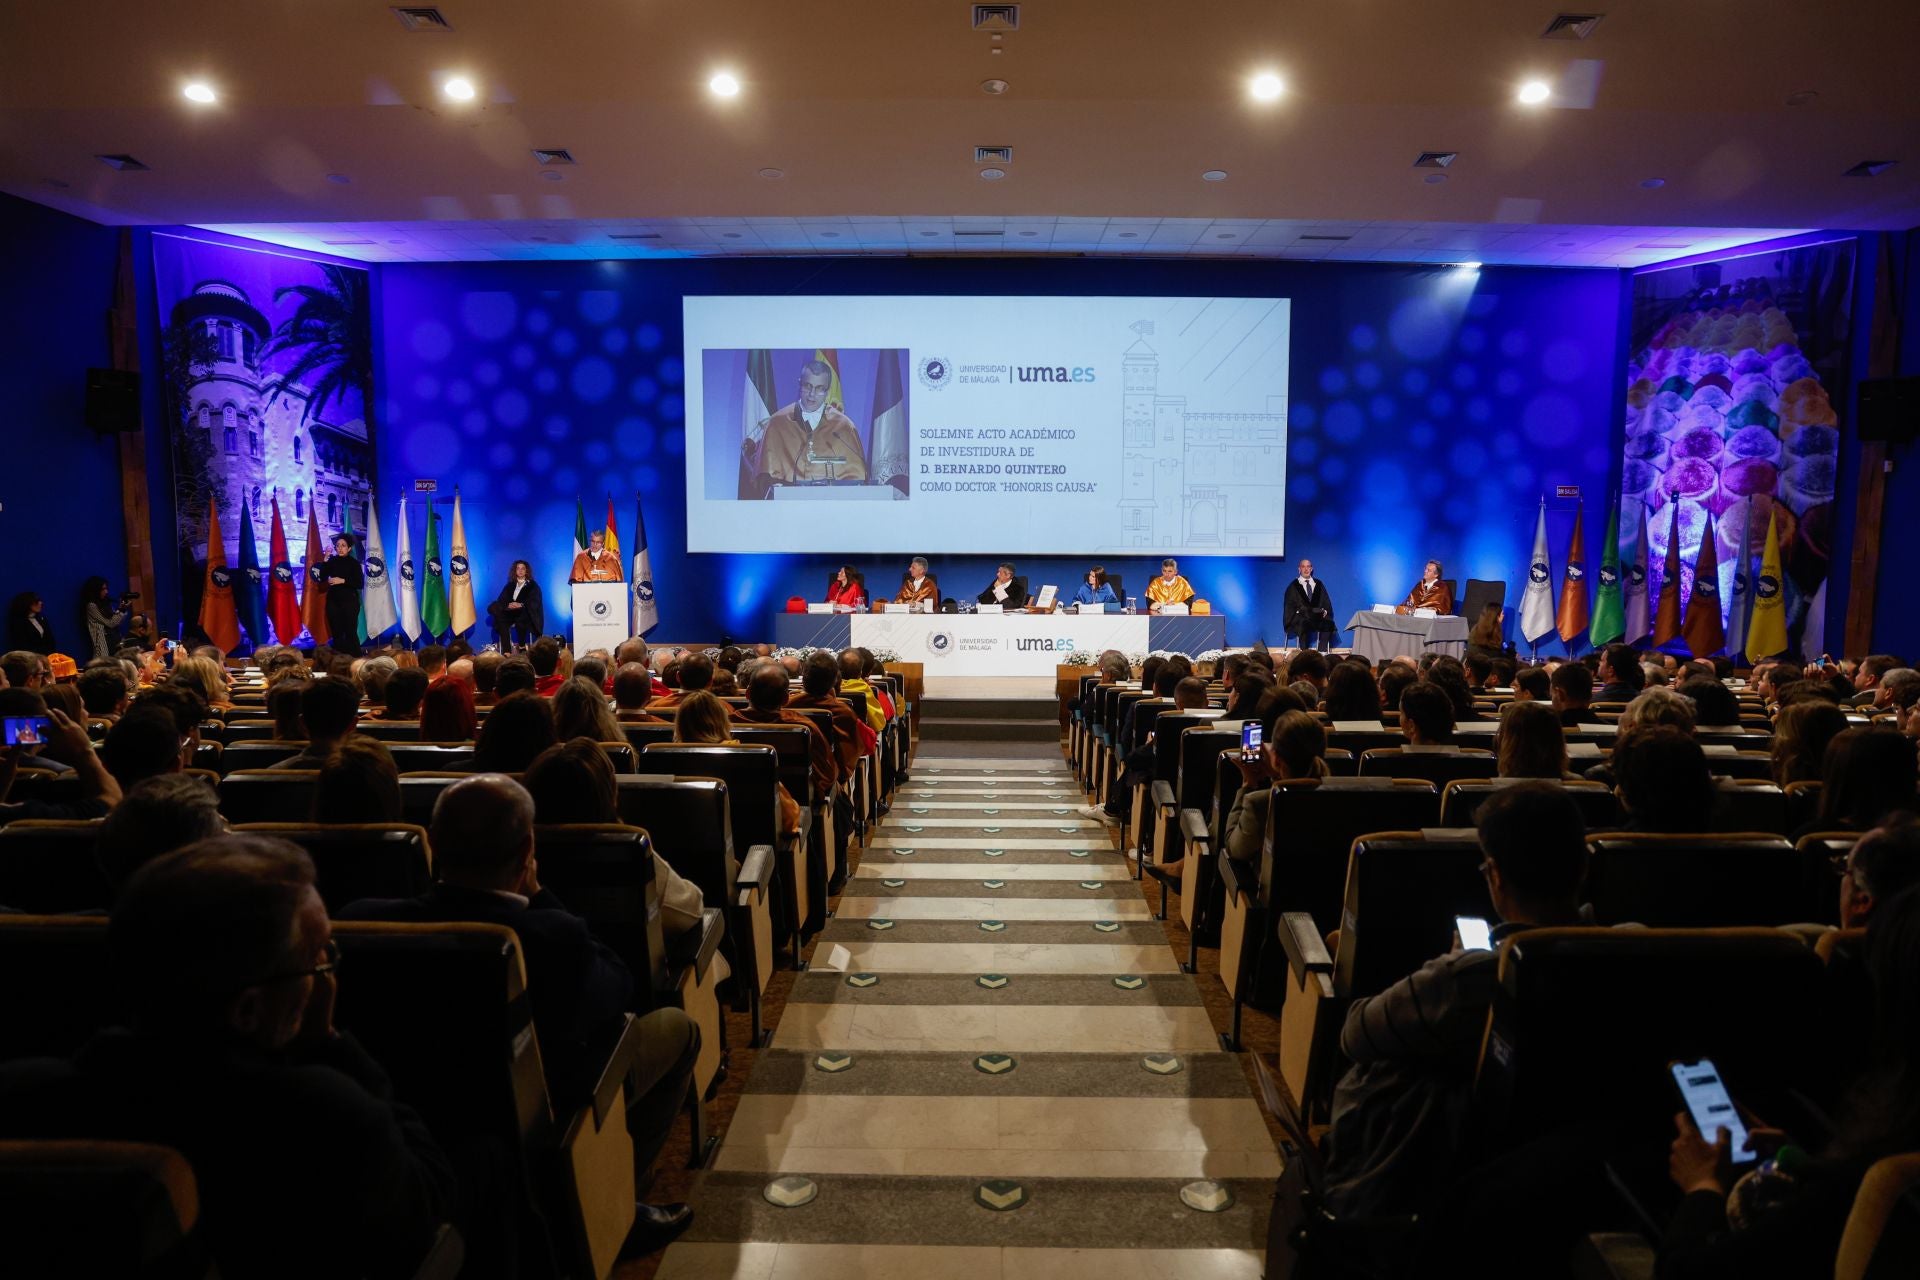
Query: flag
x,y
433,596
409,584
313,602
889,447
756,406
1706,630
831,358
460,573
1636,573
1742,611
1609,618
610,535
249,598
1666,620
377,614
579,527
1536,605
1572,618
283,605
217,617
1767,632
646,610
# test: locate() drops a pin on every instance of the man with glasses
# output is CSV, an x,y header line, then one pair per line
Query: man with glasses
x,y
306,1166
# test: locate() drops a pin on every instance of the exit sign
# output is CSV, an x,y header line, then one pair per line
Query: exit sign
x,y
1559,490
425,486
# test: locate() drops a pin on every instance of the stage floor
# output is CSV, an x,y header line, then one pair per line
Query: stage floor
x,y
1005,688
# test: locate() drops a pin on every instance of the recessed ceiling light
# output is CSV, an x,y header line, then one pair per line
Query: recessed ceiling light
x,y
338,179
730,235
1126,235
829,235
200,91
993,175
1653,184
1226,235
1535,92
724,85
553,175
773,174
929,233
994,87
1214,175
1266,86
1801,97
1029,233
1434,179
459,88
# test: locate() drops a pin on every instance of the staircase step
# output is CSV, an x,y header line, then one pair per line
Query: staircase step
x,y
945,729
997,709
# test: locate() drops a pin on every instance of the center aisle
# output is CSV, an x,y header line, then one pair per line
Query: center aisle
x,y
993,1068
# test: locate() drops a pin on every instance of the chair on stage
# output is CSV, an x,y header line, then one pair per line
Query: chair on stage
x,y
1481,592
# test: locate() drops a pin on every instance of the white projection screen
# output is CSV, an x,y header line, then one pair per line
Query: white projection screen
x,y
987,425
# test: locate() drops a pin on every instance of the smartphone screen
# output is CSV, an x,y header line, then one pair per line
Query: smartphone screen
x,y
1712,1109
27,731
1475,935
1250,740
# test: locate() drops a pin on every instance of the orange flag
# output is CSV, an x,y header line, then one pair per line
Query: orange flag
x,y
313,602
1706,629
218,617
1666,619
1572,618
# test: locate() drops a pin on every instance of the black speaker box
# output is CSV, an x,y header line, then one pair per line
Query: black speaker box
x,y
1890,409
113,400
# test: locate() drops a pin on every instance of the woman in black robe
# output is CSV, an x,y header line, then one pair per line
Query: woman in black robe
x,y
517,612
344,578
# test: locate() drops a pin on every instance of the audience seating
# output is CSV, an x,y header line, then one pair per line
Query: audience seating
x,y
389,731
206,755
1882,1237
1700,881
639,735
1437,767
431,757
257,755
1803,804
60,986
248,731
48,867
359,860
1750,806
1460,800
269,795
82,1208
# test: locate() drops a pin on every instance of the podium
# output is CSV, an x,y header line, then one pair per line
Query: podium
x,y
600,618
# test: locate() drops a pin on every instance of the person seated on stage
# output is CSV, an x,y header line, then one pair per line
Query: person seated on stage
x,y
1169,587
517,613
1431,592
807,441
1308,610
847,588
917,585
1007,589
703,720
1532,684
632,691
1426,716
1096,589
596,563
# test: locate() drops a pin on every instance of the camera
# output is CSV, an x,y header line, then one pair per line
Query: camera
x,y
128,597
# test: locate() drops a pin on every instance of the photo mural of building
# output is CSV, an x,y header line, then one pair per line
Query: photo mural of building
x,y
268,360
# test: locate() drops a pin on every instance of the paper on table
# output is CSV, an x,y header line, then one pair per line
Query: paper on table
x,y
1425,613
891,607
1383,608
990,608
1486,727
1358,726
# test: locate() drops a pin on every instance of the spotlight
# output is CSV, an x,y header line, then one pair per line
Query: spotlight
x,y
1535,92
1266,86
200,91
460,89
1466,266
724,85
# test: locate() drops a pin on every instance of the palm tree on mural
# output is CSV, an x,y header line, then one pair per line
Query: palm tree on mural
x,y
330,334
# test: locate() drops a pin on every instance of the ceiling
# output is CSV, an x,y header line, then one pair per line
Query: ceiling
x,y
331,125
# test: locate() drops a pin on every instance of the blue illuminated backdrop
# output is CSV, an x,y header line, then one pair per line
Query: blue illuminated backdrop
x,y
1430,409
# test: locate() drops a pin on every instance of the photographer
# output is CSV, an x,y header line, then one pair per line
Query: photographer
x,y
102,614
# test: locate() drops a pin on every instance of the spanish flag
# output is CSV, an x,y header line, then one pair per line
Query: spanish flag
x,y
218,617
1767,633
611,533
831,356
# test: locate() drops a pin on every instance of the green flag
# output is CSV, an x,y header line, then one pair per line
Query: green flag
x,y
579,526
434,615
1609,606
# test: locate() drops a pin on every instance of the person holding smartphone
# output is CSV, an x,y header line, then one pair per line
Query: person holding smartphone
x,y
61,740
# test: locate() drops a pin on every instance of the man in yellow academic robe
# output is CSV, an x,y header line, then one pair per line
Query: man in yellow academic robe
x,y
596,563
1431,592
918,586
806,441
1169,587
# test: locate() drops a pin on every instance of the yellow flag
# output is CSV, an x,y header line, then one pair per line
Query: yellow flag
x,y
461,575
1767,633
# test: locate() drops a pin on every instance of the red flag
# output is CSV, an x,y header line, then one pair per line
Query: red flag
x,y
283,606
218,617
1706,630
1666,620
1572,619
313,602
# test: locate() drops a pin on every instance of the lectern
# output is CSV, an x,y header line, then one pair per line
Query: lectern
x,y
600,618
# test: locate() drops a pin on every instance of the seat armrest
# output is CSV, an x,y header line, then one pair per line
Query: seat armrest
x,y
1241,878
1301,940
444,1257
697,946
756,872
1163,796
1193,825
1613,1255
615,1068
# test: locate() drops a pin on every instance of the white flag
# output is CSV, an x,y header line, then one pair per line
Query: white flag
x,y
1634,568
376,603
646,609
409,582
1536,606
890,461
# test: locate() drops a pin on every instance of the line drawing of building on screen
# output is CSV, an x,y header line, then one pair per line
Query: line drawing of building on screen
x,y
1197,480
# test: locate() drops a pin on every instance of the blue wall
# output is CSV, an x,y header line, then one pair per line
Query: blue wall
x,y
1896,614
60,515
1430,411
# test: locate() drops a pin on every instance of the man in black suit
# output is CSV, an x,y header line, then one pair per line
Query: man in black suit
x,y
1007,588
1309,610
1619,674
483,854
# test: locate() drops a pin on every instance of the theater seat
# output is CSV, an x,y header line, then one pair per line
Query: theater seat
x,y
48,867
81,1208
431,757
1699,881
1437,767
1460,800
257,755
59,989
267,795
359,860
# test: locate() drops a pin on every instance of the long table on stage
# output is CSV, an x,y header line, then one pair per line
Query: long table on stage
x,y
1007,644
1384,635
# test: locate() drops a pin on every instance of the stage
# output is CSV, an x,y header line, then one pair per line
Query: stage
x,y
1009,644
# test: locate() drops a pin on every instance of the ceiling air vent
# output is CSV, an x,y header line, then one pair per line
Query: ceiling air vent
x,y
993,155
634,235
421,17
959,233
1327,239
544,156
1435,159
1572,26
1865,169
996,17
124,163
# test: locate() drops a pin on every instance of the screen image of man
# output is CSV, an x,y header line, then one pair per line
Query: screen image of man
x,y
808,441
596,563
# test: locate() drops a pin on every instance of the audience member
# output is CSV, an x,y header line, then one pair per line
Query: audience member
x,y
580,710
1530,742
283,708
702,720
104,691
433,661
1882,864
632,691
544,654
1713,703
516,675
1660,775
519,727
373,676
592,669
1293,746
358,783
1619,675
447,712
486,671
1395,679
205,678
329,709
820,689
767,692
143,744
1658,707
1351,693
404,694
155,817
1533,684
1426,716
1800,736
853,681
1868,774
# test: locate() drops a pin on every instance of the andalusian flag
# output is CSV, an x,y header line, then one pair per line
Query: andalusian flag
x,y
610,533
1767,633
1536,604
313,601
1609,615
249,592
835,396
646,610
377,614
889,447
1572,618
433,597
409,581
459,573
283,605
217,616
579,527
757,404
1706,629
